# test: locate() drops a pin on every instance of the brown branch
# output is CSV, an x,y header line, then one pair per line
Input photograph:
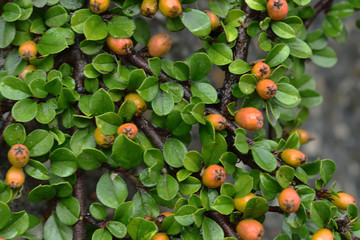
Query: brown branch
x,y
79,194
276,209
149,131
322,5
9,120
79,61
224,223
96,223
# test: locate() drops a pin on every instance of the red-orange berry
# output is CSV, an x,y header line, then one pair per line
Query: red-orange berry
x,y
249,118
105,141
323,234
149,8
170,8
240,203
289,200
28,50
120,46
250,229
293,157
27,69
266,88
139,102
19,155
99,6
15,177
261,70
214,176
218,121
277,9
304,136
159,44
342,200
214,20
160,236
129,129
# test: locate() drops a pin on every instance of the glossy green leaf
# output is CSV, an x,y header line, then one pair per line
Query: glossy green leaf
x,y
199,65
68,210
174,152
287,95
39,142
124,212
78,20
332,26
54,229
320,213
53,41
90,159
167,187
144,205
196,21
211,230
223,204
101,102
277,55
163,103
41,193
15,226
190,185
256,207
220,54
206,92
37,170
5,214
11,12
102,234
212,152
264,159
56,16
7,33
111,190
258,5
83,138
126,152
104,63
284,176
239,67
141,229
283,30
325,58
14,134
327,169
298,48
247,83
121,27
95,28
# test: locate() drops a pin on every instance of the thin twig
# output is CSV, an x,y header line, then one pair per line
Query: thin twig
x,y
79,194
223,223
149,131
322,5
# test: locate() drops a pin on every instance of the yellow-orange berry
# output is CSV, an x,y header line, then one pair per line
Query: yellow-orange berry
x,y
240,203
19,155
214,176
120,46
289,200
28,50
159,44
293,157
323,234
249,118
304,136
129,129
99,6
170,8
214,20
266,89
277,9
261,70
15,177
342,200
218,121
105,141
149,8
27,69
160,236
250,229
139,102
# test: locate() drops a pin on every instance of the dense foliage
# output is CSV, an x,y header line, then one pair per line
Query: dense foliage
x,y
78,70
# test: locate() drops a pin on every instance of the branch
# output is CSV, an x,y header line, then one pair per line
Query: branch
x,y
79,194
322,5
224,223
9,120
276,209
149,131
96,223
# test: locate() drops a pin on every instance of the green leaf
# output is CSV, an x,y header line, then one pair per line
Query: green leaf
x,y
39,142
223,204
196,21
124,212
83,138
256,207
144,205
332,26
24,110
14,63
149,88
231,32
206,92
192,161
235,17
111,190
127,110
16,225
56,16
54,229
14,134
98,211
7,33
240,141
283,30
243,185
41,193
310,98
37,170
78,20
5,214
102,234
327,169
170,226
101,102
219,7
167,187
141,229
121,27
72,4
142,31
320,213
53,41
95,28
63,162
155,65
90,159
199,65
302,2
212,152
184,215
11,12
285,175
325,58
108,123
211,230
298,48
126,152
264,159
277,55
239,67
68,210
287,95
104,63
258,5
220,54
174,152
163,103
247,83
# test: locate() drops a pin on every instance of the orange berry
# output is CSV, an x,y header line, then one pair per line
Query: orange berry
x,y
266,89
28,50
304,136
214,176
249,118
161,217
159,44
160,236
342,200
15,177
18,155
261,70
129,129
218,121
149,8
139,102
105,141
323,234
27,69
99,6
277,9
120,46
289,200
240,203
293,157
214,20
250,229
170,8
